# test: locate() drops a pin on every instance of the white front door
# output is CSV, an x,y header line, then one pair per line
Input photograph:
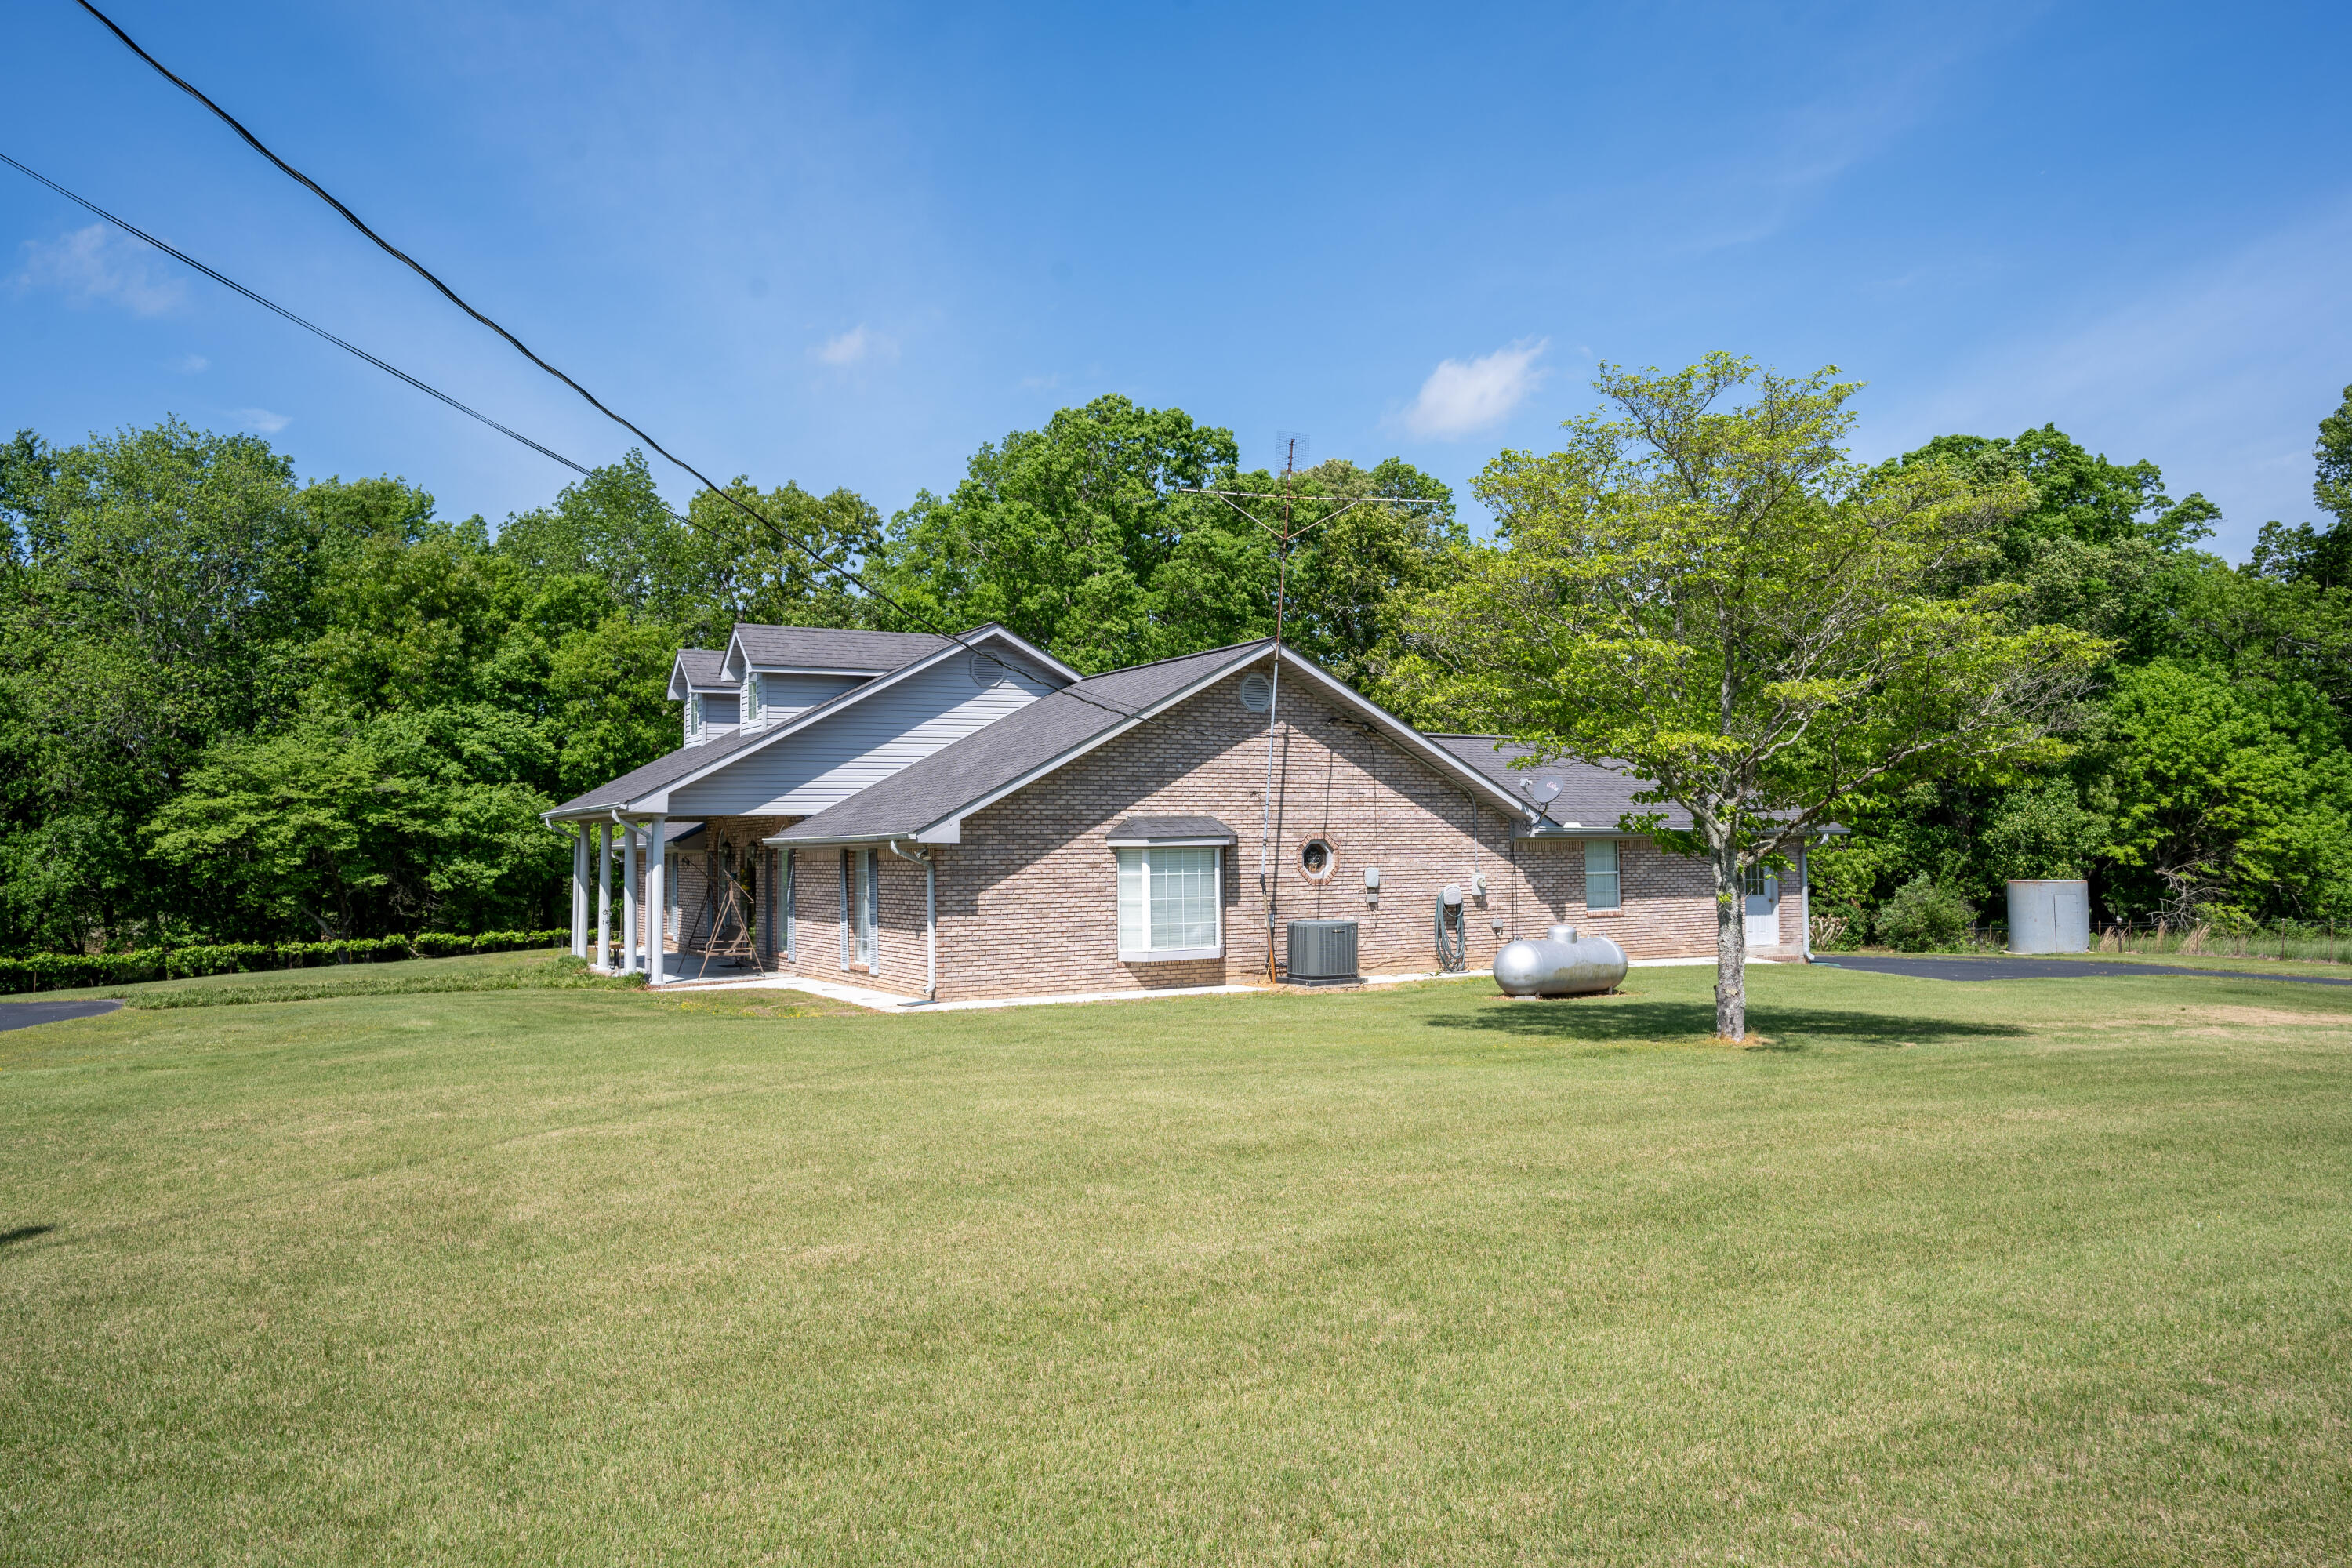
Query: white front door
x,y
1762,907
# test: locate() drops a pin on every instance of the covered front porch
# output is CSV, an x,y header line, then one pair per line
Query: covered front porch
x,y
687,901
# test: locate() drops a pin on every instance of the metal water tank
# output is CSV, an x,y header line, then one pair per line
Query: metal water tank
x,y
1559,965
2049,916
1322,949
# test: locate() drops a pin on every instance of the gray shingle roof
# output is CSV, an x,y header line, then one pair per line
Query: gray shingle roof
x,y
1144,829
655,774
822,648
1589,795
704,668
956,776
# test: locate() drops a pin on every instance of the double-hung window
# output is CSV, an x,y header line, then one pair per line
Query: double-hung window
x,y
1170,903
1602,887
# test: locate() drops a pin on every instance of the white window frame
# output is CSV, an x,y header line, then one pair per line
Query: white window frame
x,y
694,723
1142,852
784,896
864,911
1614,876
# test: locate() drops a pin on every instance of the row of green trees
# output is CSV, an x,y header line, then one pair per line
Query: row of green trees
x,y
2207,776
238,707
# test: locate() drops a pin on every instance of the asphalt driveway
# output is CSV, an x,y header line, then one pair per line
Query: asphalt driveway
x,y
2042,969
25,1015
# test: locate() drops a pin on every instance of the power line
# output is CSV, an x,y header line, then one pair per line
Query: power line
x,y
452,296
226,281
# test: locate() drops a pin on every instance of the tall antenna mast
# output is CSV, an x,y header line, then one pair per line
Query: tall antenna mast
x,y
1274,699
1286,533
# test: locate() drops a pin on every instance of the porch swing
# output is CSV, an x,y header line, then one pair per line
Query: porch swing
x,y
725,917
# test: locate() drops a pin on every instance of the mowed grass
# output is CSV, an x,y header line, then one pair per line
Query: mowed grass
x,y
2000,1272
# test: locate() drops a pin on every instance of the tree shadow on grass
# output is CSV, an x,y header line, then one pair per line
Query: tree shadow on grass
x,y
24,1233
1602,1021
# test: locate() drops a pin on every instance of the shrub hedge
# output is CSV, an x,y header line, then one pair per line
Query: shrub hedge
x,y
62,971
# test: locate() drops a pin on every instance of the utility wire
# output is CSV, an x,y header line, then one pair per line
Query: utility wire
x,y
268,304
452,296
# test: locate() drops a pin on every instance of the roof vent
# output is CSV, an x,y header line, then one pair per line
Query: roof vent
x,y
985,670
1258,692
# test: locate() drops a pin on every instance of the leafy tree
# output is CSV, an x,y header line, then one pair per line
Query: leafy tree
x,y
156,603
2219,793
1719,599
413,618
613,525
1083,537
2321,557
345,828
1057,533
757,578
605,698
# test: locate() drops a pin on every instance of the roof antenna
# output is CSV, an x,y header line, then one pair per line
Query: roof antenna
x,y
1294,445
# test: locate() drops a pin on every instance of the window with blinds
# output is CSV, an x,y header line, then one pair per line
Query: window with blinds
x,y
1169,903
1601,889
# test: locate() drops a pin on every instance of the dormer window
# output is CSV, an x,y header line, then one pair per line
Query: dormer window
x,y
751,697
709,716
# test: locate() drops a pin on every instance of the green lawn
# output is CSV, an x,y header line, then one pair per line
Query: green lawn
x,y
2034,1272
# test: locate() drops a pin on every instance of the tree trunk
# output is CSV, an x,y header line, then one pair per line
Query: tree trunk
x,y
1730,947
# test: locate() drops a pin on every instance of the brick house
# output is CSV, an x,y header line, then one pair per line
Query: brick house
x,y
968,819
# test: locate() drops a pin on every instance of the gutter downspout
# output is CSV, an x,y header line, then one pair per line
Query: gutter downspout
x,y
931,918
1805,892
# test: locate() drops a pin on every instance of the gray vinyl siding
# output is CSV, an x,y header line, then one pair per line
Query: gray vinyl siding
x,y
782,696
839,755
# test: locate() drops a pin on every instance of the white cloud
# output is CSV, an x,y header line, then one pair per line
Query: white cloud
x,y
855,346
98,263
263,420
192,364
1463,395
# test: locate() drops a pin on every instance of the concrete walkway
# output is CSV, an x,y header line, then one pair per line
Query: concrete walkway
x,y
25,1015
890,1002
2017,968
724,979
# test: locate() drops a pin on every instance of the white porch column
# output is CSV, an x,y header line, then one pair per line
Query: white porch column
x,y
603,895
579,889
632,920
655,920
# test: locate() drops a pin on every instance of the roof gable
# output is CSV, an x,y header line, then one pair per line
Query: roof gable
x,y
689,763
698,670
927,799
824,650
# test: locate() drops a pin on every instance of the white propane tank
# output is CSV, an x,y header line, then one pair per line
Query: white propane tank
x,y
1559,964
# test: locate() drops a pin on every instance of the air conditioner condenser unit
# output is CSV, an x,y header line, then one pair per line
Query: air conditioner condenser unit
x,y
1322,951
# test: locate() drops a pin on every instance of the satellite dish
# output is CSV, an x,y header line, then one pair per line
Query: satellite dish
x,y
1547,790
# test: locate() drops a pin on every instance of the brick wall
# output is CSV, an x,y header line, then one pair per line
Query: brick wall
x,y
900,923
1028,901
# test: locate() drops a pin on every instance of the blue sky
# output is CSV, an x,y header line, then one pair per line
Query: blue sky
x,y
846,245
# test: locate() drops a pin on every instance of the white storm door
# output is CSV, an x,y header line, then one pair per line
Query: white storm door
x,y
1762,905
862,878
